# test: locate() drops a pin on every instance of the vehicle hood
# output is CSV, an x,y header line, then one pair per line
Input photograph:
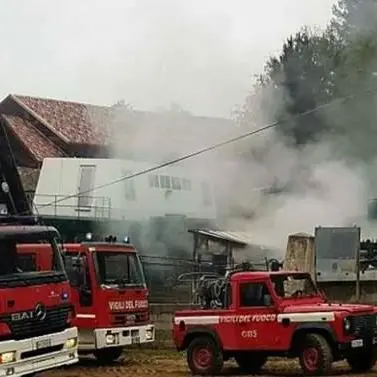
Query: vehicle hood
x,y
328,307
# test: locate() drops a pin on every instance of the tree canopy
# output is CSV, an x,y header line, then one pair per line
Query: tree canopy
x,y
317,68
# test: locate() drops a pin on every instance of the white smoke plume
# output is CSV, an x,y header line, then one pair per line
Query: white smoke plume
x,y
192,47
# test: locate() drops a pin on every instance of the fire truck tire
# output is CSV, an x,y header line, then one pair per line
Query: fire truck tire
x,y
315,355
362,361
108,355
250,362
204,356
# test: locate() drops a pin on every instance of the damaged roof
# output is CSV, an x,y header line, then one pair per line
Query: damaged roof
x,y
238,239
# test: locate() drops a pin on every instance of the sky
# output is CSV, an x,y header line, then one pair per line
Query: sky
x,y
200,54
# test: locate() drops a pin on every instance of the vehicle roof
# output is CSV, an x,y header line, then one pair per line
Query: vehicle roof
x,y
26,229
250,275
105,246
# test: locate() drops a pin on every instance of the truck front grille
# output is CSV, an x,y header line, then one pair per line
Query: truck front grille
x,y
364,324
55,321
129,319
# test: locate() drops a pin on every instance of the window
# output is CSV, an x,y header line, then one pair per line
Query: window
x,y
153,180
176,183
186,184
254,294
165,181
74,268
228,296
19,263
129,187
27,262
86,185
70,262
119,269
206,193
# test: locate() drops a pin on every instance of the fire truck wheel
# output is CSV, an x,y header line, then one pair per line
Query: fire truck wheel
x,y
362,361
315,355
204,356
108,355
250,362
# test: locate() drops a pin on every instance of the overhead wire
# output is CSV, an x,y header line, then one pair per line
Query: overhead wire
x,y
212,147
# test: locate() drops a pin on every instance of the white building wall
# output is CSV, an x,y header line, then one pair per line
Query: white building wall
x,y
59,181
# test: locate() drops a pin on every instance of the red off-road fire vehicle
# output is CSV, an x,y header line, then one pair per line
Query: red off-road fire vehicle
x,y
250,316
36,312
109,293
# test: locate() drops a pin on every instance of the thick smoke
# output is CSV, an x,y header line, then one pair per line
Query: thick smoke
x,y
262,186
311,186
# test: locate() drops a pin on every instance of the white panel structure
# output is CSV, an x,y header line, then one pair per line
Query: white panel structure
x,y
80,188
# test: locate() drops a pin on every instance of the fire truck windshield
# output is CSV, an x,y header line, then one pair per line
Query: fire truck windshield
x,y
294,285
120,269
24,265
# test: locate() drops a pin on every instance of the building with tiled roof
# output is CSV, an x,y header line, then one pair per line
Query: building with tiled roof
x,y
40,128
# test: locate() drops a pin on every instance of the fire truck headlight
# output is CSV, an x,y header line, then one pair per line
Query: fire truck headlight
x,y
347,324
149,334
7,357
88,236
71,343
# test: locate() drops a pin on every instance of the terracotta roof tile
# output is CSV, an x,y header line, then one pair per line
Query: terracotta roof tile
x,y
79,123
34,141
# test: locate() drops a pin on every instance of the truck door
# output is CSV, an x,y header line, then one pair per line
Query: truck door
x,y
78,271
256,324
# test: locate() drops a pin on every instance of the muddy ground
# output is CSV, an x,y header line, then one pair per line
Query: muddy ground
x,y
163,361
170,364
167,363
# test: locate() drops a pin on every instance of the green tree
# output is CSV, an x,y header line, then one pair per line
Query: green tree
x,y
300,78
354,23
354,19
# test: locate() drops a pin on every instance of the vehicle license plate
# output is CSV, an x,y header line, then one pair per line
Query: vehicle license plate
x,y
43,343
357,343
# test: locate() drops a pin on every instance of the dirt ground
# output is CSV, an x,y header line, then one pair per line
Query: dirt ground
x,y
167,363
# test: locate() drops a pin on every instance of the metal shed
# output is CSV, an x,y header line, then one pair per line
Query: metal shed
x,y
229,245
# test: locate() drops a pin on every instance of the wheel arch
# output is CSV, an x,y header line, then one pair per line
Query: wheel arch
x,y
321,329
199,332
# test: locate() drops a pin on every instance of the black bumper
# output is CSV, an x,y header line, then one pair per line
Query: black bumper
x,y
358,344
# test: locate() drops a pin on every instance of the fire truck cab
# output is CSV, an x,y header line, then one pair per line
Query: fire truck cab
x,y
109,293
36,312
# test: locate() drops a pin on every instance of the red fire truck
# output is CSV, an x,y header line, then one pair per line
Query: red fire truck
x,y
252,315
109,293
36,312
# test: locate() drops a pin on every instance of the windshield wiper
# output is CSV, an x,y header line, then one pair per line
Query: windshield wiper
x,y
122,283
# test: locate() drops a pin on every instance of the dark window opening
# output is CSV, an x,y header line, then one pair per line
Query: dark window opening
x,y
254,294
